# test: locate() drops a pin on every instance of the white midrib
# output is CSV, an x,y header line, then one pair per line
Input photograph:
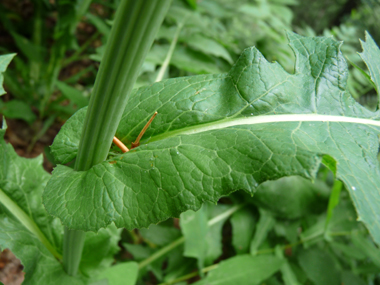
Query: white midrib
x,y
264,120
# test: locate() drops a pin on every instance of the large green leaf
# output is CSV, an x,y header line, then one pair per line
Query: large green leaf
x,y
215,134
29,237
32,234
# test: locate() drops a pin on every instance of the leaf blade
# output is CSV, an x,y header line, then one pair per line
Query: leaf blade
x,y
232,131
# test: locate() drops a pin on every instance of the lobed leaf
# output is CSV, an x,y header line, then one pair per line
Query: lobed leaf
x,y
36,238
215,134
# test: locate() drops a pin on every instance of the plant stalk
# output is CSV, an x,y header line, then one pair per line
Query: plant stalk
x,y
169,55
136,24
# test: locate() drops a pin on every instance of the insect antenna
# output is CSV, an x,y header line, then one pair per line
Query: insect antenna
x,y
137,141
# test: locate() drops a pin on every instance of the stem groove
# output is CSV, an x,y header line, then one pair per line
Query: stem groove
x,y
136,24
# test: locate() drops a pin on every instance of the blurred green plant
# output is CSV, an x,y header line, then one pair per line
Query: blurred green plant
x,y
289,232
34,79
208,36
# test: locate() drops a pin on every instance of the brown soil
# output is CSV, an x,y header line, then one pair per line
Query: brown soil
x,y
10,269
20,135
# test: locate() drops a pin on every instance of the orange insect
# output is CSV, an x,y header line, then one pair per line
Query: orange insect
x,y
123,148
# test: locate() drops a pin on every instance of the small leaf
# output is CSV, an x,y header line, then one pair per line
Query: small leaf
x,y
319,267
4,62
333,201
243,269
208,46
351,251
366,247
291,197
214,232
243,225
100,24
371,57
315,233
73,94
194,228
286,270
34,53
192,3
183,58
16,109
160,235
120,274
99,250
265,224
348,278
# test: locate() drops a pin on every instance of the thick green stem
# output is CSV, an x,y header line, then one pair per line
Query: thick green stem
x,y
72,249
136,24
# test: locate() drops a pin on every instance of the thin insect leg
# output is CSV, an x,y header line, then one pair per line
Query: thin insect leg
x,y
120,145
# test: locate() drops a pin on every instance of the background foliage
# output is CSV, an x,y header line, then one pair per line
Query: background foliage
x,y
292,231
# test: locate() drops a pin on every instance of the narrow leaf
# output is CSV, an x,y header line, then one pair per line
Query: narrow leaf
x,y
17,109
208,46
265,224
4,61
334,200
243,225
371,57
194,228
120,274
319,267
366,247
244,269
286,270
73,94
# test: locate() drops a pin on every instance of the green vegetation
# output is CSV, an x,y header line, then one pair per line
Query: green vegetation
x,y
268,155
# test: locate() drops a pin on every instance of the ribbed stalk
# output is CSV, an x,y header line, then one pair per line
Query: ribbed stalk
x,y
73,242
135,26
